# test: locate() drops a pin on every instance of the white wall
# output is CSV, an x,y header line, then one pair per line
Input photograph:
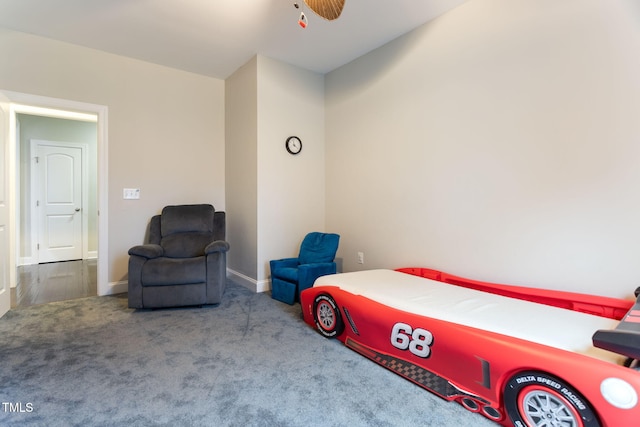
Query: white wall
x,y
498,142
166,128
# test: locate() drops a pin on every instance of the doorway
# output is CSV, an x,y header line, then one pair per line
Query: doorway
x,y
71,110
57,215
56,203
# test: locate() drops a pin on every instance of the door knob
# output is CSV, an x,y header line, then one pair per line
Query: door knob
x,y
77,209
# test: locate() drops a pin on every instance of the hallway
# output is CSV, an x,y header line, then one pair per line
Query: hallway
x,y
57,281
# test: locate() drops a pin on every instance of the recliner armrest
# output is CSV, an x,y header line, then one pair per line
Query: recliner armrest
x,y
217,246
308,273
148,251
283,263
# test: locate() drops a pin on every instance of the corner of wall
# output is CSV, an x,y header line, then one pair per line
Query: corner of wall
x,y
249,283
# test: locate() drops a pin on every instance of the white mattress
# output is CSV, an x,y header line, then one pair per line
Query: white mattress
x,y
551,326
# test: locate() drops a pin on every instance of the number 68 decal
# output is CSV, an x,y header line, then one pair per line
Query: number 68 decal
x,y
418,341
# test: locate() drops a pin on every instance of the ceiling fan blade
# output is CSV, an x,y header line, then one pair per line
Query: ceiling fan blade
x,y
328,9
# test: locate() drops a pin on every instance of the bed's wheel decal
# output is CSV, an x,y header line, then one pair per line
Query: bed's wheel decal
x,y
327,316
539,399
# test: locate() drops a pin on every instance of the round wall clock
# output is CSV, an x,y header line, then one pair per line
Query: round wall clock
x,y
293,145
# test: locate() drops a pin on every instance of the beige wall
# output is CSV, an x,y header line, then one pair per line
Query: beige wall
x,y
241,129
165,135
291,188
274,198
499,142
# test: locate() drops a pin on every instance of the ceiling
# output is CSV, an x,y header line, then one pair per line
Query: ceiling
x,y
216,37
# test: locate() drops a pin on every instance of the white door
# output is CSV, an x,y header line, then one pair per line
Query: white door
x,y
59,203
5,289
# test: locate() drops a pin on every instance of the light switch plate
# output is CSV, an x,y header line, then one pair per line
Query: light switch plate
x,y
131,193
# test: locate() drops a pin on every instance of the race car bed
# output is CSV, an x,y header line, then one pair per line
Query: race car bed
x,y
519,356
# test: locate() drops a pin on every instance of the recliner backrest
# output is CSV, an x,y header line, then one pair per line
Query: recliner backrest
x,y
186,230
318,247
185,218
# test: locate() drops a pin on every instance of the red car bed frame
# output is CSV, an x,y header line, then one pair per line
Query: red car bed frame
x,y
507,378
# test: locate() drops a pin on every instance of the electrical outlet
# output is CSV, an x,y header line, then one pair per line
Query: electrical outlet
x,y
360,257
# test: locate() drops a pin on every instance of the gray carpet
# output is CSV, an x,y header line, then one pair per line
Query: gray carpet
x,y
251,361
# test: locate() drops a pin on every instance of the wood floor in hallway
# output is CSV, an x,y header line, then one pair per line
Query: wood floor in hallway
x,y
56,281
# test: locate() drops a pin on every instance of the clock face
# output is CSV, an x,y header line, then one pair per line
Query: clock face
x,y
293,145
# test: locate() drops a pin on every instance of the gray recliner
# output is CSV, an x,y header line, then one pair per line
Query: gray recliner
x,y
185,261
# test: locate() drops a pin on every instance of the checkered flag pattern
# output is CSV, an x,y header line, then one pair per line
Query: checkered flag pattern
x,y
410,371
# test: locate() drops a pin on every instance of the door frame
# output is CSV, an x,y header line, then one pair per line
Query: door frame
x,y
67,109
5,207
35,195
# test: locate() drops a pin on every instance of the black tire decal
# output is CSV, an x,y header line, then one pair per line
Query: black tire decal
x,y
327,316
528,395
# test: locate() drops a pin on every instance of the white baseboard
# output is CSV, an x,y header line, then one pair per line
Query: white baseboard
x,y
32,260
26,261
117,288
248,282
